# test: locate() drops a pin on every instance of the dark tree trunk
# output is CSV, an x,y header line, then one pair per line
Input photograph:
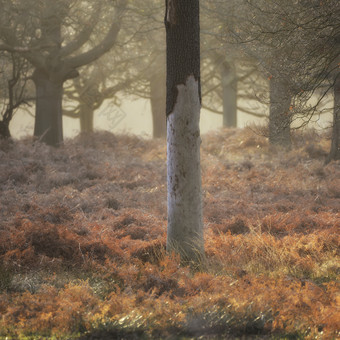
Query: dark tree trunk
x,y
229,88
4,130
335,145
86,119
157,99
48,113
185,225
279,113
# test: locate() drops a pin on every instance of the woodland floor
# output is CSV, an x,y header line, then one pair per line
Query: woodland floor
x,y
83,230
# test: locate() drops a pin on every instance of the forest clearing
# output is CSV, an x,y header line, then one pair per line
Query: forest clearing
x,y
234,235
83,234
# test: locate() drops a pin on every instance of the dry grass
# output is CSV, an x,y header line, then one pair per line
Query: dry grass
x,y
83,229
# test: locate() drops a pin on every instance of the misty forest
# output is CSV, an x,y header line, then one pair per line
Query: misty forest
x,y
169,169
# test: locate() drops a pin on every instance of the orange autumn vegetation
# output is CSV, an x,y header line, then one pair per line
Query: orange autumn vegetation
x,y
83,230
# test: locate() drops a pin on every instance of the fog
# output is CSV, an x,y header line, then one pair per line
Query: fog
x,y
125,56
134,117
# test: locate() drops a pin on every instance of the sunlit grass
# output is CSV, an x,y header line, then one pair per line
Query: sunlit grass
x,y
84,235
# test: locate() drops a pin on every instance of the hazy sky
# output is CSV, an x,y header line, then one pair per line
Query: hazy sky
x,y
133,117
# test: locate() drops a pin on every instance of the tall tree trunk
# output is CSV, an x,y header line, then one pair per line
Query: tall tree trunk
x,y
48,112
158,99
279,113
185,225
229,88
4,123
86,118
4,129
334,153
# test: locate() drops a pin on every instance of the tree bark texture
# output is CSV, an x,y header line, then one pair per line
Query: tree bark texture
x,y
4,123
279,113
86,118
335,144
183,46
157,99
48,111
229,88
4,130
185,225
48,82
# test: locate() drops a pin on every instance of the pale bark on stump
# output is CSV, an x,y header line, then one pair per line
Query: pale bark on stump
x,y
185,225
279,113
229,88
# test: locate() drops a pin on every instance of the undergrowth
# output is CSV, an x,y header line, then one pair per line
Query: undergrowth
x,y
83,233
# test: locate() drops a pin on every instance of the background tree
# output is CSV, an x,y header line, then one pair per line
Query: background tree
x,y
13,75
255,30
228,74
324,49
276,35
185,225
228,86
334,153
298,42
150,67
219,75
53,37
98,82
135,68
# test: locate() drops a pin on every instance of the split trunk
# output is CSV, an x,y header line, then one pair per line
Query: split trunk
x,y
185,226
